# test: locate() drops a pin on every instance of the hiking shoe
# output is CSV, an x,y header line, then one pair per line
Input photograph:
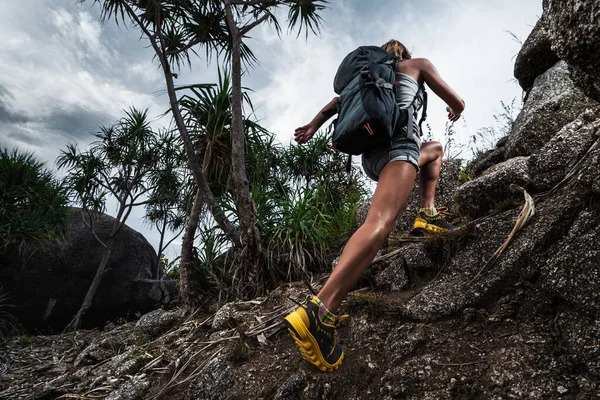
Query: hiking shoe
x,y
432,224
316,340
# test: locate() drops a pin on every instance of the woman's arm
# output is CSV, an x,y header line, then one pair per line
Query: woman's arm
x,y
456,105
304,133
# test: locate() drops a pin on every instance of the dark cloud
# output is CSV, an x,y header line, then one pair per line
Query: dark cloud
x,y
7,114
76,124
10,116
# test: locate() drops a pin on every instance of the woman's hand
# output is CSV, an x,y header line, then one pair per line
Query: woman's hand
x,y
304,133
452,116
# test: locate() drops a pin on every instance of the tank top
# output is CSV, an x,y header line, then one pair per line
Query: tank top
x,y
406,90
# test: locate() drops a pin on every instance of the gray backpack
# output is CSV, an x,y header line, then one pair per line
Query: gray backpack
x,y
368,114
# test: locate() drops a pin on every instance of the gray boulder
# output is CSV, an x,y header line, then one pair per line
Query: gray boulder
x,y
467,282
574,30
49,286
553,102
535,57
491,190
552,163
572,274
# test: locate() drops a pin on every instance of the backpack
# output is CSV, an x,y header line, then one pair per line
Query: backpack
x,y
368,114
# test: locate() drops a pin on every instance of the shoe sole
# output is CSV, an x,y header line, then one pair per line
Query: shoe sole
x,y
421,224
308,345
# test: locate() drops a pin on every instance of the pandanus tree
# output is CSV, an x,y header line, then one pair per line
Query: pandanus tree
x,y
33,204
121,164
178,29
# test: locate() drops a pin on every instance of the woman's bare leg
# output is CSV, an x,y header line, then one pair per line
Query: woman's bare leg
x,y
430,164
394,186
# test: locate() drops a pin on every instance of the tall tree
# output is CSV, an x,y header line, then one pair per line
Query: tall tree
x,y
177,28
118,165
169,202
243,16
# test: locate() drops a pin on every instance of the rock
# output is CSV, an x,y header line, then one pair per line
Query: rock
x,y
49,286
133,389
395,275
574,30
553,102
477,197
103,348
213,380
587,175
239,311
535,57
572,274
405,340
467,282
157,322
293,387
486,160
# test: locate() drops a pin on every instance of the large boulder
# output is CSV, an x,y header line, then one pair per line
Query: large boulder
x,y
535,57
468,281
553,102
48,286
491,191
572,274
574,30
560,155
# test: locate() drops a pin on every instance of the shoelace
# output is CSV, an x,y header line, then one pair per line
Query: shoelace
x,y
339,320
444,211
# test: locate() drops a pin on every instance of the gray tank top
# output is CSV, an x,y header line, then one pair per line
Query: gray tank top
x,y
406,90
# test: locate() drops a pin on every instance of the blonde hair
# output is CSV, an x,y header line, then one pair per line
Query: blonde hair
x,y
394,46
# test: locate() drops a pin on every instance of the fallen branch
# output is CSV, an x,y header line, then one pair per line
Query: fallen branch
x,y
525,215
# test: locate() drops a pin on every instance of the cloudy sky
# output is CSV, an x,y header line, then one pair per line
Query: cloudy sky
x,y
63,73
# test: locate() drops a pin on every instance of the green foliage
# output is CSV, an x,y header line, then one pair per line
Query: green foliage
x,y
123,163
465,175
306,203
33,205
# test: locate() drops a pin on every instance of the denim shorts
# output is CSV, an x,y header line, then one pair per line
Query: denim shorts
x,y
401,148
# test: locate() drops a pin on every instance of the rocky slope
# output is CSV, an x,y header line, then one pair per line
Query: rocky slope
x,y
444,318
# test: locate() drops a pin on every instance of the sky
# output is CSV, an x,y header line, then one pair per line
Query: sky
x,y
63,73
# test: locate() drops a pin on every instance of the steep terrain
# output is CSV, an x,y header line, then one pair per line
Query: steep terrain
x,y
443,318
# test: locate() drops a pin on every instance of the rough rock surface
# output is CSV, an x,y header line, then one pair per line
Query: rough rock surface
x,y
49,286
491,191
553,102
486,160
574,31
560,155
535,57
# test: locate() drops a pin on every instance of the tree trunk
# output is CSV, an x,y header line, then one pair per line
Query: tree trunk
x,y
89,296
188,290
160,246
193,162
245,204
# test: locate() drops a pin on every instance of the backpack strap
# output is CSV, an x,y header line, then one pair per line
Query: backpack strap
x,y
411,111
424,114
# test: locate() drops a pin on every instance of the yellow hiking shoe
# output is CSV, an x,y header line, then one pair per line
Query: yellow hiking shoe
x,y
432,224
317,341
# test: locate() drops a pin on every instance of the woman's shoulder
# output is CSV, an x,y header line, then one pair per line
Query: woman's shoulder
x,y
417,63
413,68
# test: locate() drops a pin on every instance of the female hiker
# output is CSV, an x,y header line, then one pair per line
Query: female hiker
x,y
394,167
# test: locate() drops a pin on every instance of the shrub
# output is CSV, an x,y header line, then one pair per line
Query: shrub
x,y
33,204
